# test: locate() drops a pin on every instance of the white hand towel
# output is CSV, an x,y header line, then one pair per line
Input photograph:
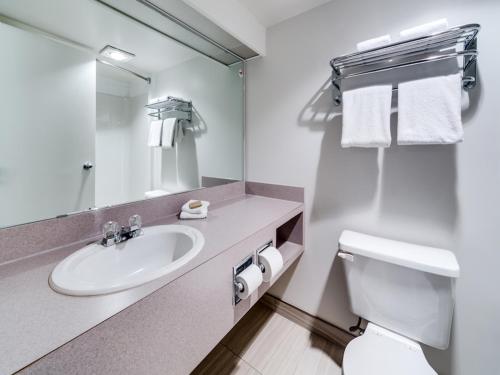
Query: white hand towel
x,y
179,132
198,210
429,111
367,117
373,43
425,29
188,216
154,138
168,133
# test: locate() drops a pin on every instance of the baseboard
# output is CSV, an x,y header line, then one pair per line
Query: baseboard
x,y
310,322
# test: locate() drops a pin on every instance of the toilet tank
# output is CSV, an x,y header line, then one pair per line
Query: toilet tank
x,y
406,288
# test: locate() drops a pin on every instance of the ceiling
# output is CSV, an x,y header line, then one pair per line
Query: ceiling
x,y
92,25
271,12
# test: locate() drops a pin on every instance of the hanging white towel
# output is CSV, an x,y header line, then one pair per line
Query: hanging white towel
x,y
179,132
367,117
425,29
168,133
373,43
154,138
429,111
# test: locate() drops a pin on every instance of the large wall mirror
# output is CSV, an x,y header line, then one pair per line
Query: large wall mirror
x,y
85,126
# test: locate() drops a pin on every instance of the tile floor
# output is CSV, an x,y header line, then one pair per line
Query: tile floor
x,y
266,343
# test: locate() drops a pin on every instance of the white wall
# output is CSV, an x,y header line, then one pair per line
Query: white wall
x,y
47,125
123,159
445,196
213,142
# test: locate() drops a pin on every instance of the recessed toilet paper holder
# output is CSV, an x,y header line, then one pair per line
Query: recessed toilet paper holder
x,y
240,267
260,250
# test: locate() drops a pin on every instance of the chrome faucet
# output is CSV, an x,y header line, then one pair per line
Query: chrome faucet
x,y
112,233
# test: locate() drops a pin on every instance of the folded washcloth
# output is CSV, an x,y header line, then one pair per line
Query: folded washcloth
x,y
366,117
197,210
425,29
188,216
168,133
373,43
429,111
154,138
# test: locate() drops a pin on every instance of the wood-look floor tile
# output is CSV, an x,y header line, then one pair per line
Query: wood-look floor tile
x,y
265,342
286,356
320,358
221,361
248,328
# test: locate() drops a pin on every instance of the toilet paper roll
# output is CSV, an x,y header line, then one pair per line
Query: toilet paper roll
x,y
250,278
272,261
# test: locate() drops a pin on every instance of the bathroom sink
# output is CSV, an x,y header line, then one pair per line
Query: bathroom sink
x,y
96,269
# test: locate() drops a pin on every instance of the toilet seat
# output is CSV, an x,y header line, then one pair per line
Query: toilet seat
x,y
382,352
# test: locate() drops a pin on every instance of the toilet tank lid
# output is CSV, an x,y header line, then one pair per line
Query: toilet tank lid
x,y
423,258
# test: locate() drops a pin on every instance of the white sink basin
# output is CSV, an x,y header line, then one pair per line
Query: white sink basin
x,y
96,269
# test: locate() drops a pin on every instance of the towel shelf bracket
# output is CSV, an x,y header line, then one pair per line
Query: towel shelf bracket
x,y
456,42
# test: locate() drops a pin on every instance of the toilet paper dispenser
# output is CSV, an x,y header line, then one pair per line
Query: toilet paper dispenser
x,y
251,272
239,286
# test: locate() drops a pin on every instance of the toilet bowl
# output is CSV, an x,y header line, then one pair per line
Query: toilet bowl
x,y
382,352
406,292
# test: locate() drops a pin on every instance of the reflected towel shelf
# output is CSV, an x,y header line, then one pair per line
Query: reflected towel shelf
x,y
171,107
459,41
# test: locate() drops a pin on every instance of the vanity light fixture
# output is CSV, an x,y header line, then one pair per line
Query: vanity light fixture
x,y
116,54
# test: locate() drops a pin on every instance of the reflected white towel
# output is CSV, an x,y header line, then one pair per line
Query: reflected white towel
x,y
188,216
179,132
198,210
154,138
373,43
155,193
425,29
367,117
429,111
168,133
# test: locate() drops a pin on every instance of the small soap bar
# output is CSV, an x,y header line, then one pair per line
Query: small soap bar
x,y
195,204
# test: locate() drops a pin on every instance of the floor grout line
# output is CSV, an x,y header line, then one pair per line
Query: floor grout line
x,y
237,355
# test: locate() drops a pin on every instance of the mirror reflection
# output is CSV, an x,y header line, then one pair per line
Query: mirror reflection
x,y
93,115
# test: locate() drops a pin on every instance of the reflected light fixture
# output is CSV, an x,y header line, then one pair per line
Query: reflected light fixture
x,y
116,54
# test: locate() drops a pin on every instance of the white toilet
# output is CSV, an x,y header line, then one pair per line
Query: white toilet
x,y
406,293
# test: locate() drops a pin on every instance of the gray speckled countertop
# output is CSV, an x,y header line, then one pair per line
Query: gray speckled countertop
x,y
35,320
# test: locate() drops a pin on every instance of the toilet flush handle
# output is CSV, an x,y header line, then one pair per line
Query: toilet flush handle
x,y
346,256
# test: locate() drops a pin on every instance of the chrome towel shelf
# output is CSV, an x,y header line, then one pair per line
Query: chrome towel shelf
x,y
459,41
172,107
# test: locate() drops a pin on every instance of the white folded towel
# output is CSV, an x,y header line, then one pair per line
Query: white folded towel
x,y
154,138
429,111
425,29
168,133
373,43
367,117
198,210
187,216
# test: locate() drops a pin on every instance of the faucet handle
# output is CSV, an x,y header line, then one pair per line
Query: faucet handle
x,y
135,222
110,233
